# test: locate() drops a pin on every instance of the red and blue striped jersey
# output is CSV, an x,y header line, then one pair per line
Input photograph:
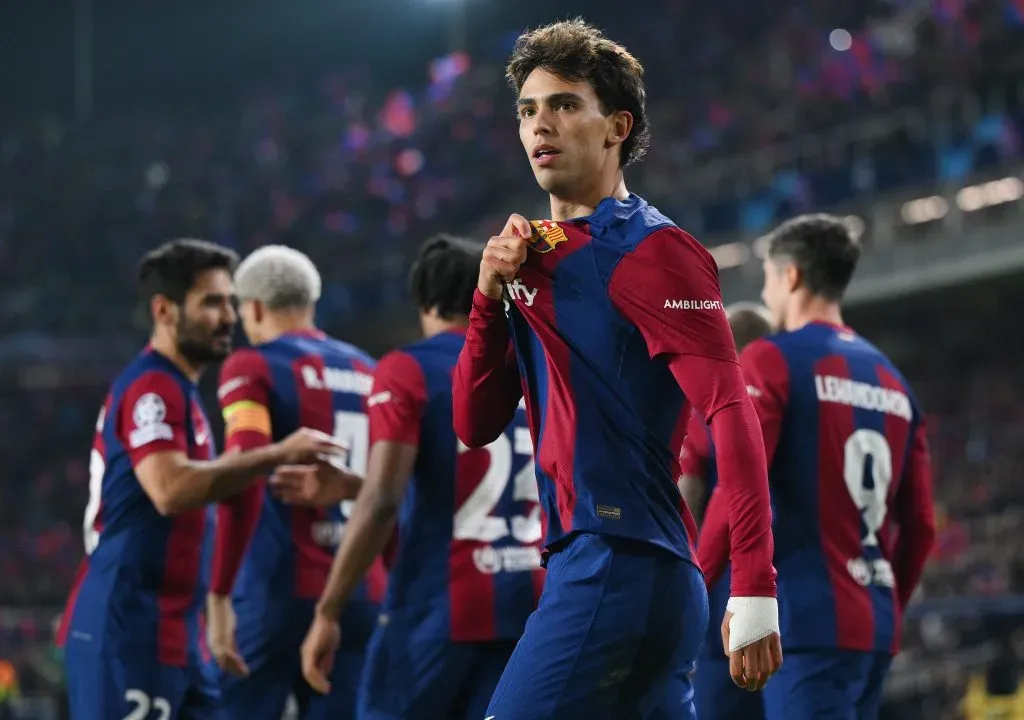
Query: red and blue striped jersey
x,y
141,585
610,318
850,483
467,560
266,553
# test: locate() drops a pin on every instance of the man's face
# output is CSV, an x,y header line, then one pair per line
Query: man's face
x,y
207,318
564,131
775,293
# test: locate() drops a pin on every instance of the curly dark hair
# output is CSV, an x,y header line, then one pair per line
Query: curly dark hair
x,y
577,51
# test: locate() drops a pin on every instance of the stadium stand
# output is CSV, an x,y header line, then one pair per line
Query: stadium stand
x,y
760,111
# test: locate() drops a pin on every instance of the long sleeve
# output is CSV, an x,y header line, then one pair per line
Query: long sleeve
x,y
716,388
767,378
691,334
693,458
915,515
244,397
485,384
713,546
767,385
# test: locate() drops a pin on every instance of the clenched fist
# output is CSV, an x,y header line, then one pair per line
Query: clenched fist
x,y
503,255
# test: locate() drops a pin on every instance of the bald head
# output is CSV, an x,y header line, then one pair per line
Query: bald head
x,y
749,322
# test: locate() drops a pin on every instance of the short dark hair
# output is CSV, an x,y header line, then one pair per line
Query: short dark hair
x,y
825,249
171,270
576,51
748,323
444,275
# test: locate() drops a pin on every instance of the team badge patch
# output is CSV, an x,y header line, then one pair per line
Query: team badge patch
x,y
547,235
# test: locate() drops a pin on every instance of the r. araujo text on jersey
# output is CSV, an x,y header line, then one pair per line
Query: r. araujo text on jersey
x,y
280,552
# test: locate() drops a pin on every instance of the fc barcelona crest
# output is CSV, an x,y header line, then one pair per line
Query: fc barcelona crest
x,y
547,235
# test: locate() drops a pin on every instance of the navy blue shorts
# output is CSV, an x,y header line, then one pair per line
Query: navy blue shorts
x,y
827,685
104,684
270,643
615,637
413,675
716,695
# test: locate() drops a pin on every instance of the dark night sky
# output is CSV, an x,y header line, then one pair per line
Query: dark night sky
x,y
158,50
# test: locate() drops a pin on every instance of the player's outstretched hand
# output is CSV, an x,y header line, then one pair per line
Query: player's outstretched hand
x,y
318,650
503,255
751,640
220,635
320,485
307,446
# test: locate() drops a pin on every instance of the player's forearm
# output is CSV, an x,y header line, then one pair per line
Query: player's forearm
x,y
692,488
915,515
366,535
743,477
485,385
910,564
713,544
237,517
196,483
917,538
717,391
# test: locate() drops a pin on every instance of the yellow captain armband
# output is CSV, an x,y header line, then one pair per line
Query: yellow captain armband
x,y
246,415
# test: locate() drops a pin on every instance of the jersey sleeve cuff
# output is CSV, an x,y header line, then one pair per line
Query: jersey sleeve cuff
x,y
486,307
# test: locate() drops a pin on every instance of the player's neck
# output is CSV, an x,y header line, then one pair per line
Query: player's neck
x,y
586,201
433,325
285,323
814,310
166,347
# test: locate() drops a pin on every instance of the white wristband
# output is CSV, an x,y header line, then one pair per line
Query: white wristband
x,y
753,618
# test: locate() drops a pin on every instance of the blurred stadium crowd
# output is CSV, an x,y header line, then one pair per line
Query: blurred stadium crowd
x,y
779,113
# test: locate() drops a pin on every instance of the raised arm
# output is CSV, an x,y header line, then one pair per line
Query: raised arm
x,y
152,426
485,385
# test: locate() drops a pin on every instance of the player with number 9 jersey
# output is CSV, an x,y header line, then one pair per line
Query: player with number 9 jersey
x,y
850,482
272,559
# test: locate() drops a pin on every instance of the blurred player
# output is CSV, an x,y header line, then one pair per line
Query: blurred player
x,y
850,478
615,327
132,626
466,573
716,696
270,560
